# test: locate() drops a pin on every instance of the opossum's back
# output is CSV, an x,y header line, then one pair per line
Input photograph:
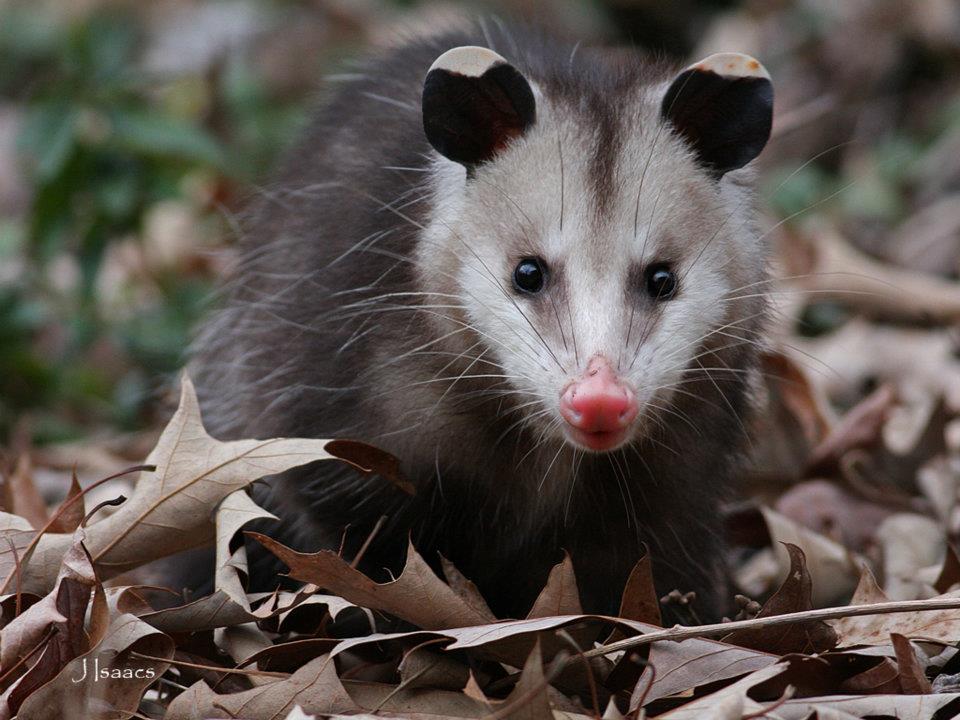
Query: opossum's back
x,y
336,227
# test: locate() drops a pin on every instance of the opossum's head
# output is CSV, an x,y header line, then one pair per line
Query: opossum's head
x,y
587,234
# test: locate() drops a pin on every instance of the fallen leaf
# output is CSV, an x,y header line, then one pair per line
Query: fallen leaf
x,y
298,714
902,707
913,681
841,272
16,533
417,596
910,542
685,666
860,427
307,605
794,595
529,699
387,700
237,510
22,497
560,595
949,575
241,642
938,625
884,677
71,511
79,691
794,420
424,667
315,688
57,620
732,698
823,507
833,569
172,509
370,461
939,482
639,600
206,613
465,588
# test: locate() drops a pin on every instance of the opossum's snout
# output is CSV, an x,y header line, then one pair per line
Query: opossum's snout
x,y
599,408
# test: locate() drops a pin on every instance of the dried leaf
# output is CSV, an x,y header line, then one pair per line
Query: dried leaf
x,y
825,508
60,612
206,613
315,688
236,510
465,588
23,497
950,572
794,595
172,509
298,714
639,600
560,595
71,512
843,273
940,625
370,461
793,422
108,679
833,569
685,666
423,667
912,679
732,698
884,677
910,542
387,700
860,427
241,642
529,699
903,707
417,596
15,536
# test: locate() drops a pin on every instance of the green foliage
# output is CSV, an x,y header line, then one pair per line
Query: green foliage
x,y
102,143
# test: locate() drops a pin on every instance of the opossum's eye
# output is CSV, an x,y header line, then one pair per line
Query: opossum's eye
x,y
661,282
530,275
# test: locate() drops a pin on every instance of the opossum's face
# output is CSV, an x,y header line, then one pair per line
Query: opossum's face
x,y
594,249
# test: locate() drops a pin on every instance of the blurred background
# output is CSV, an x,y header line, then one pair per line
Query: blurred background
x,y
131,134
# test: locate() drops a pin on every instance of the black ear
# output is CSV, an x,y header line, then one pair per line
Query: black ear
x,y
474,103
722,106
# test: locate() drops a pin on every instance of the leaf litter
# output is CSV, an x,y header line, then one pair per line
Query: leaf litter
x,y
854,476
237,654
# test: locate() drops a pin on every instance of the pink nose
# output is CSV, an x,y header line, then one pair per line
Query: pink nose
x,y
599,401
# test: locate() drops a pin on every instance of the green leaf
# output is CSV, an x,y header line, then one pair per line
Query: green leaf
x,y
165,137
48,137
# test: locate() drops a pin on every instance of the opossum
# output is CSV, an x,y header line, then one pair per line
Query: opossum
x,y
530,271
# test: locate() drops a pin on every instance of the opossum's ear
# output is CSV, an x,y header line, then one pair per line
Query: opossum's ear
x,y
722,106
474,103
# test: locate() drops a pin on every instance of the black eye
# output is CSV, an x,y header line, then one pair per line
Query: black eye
x,y
661,282
530,275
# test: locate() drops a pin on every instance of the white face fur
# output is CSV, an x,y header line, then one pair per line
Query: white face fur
x,y
597,239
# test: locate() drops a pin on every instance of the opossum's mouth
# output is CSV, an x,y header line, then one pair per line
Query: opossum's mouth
x,y
599,441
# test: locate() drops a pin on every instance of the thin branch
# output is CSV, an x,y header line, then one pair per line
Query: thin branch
x,y
211,668
684,632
